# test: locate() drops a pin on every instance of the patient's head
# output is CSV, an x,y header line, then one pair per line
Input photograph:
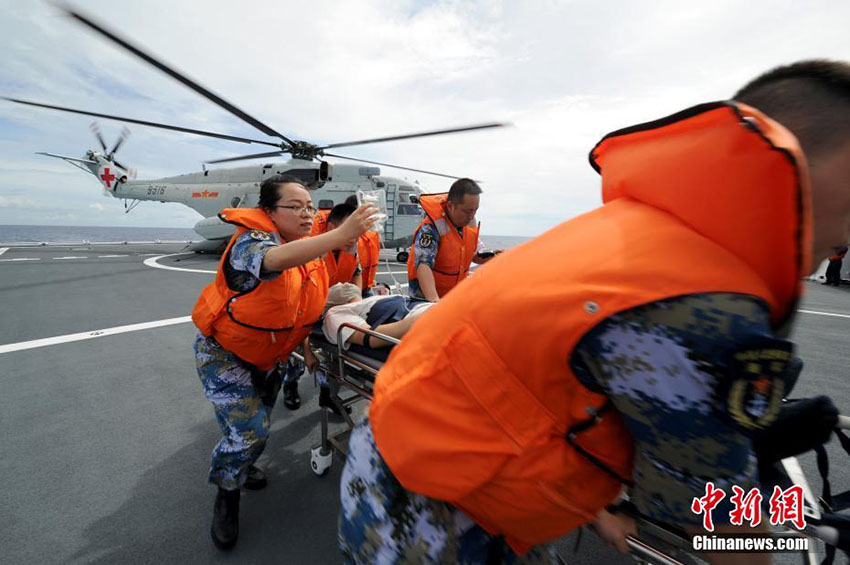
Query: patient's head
x,y
343,293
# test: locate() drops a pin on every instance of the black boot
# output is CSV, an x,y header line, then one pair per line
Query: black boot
x,y
225,523
290,395
334,402
256,479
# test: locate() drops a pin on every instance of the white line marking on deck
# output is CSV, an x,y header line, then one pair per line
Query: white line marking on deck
x,y
75,257
21,259
152,262
391,273
3,250
109,256
824,313
91,335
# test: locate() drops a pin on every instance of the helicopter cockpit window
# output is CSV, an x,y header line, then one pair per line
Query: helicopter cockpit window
x,y
235,202
408,210
326,204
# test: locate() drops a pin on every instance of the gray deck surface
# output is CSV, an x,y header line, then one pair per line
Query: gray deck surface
x,y
105,442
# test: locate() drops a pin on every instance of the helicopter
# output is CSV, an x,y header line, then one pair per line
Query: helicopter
x,y
211,190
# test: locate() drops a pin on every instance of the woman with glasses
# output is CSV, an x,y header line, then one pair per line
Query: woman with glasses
x,y
270,288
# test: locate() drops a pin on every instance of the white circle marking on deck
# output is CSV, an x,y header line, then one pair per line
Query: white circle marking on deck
x,y
824,313
152,262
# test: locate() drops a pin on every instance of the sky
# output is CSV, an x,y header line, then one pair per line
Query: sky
x,y
563,73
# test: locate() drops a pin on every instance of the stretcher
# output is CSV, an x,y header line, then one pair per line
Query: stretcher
x,y
351,375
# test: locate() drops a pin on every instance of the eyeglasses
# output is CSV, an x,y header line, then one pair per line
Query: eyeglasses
x,y
309,210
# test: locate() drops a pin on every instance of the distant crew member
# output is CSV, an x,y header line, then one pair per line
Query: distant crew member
x,y
368,251
833,270
342,263
268,292
446,242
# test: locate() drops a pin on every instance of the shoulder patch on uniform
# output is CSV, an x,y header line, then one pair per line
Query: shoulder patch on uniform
x,y
259,235
425,240
758,373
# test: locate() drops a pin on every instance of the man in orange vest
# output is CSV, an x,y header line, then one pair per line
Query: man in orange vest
x,y
446,242
641,343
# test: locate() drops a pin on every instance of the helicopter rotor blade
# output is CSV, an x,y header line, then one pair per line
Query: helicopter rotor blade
x,y
143,123
243,157
124,134
120,165
96,131
174,74
389,165
412,135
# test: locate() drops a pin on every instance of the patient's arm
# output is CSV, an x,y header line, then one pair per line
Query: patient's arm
x,y
393,329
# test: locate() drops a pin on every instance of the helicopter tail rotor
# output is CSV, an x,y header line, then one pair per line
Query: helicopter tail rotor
x,y
95,128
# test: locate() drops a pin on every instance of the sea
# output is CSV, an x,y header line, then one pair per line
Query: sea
x,y
96,234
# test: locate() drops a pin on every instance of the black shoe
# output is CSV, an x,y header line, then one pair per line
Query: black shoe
x,y
290,396
225,523
256,479
334,402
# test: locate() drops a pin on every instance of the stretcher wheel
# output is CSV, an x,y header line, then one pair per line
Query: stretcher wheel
x,y
320,462
402,257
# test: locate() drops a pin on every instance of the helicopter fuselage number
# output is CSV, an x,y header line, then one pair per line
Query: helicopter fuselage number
x,y
156,189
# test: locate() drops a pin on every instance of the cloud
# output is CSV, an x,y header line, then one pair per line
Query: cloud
x,y
18,202
97,206
565,73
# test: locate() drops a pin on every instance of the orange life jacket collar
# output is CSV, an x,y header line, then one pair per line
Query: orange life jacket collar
x,y
758,205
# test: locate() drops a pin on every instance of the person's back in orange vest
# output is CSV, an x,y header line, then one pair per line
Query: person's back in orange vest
x,y
480,406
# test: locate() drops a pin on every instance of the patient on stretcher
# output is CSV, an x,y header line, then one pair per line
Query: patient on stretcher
x,y
390,315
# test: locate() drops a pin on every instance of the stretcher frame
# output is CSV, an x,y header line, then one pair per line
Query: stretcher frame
x,y
345,369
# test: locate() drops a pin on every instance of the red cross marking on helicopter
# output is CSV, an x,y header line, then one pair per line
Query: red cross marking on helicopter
x,y
107,177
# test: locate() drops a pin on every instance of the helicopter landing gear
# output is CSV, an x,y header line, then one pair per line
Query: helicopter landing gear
x,y
402,256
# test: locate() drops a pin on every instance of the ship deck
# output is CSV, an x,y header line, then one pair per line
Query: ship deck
x,y
107,434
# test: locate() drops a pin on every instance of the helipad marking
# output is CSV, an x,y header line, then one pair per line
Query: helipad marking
x,y
152,262
3,250
72,257
824,313
110,256
21,259
91,335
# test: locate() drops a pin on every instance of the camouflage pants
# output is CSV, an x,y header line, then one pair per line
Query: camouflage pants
x,y
243,404
381,522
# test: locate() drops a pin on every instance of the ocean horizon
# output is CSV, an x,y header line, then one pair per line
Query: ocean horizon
x,y
18,234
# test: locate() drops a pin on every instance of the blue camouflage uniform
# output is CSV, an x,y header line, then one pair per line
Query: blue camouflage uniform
x,y
242,396
659,364
425,248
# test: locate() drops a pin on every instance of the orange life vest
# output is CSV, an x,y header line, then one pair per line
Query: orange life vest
x,y
455,253
474,406
264,325
341,268
369,249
